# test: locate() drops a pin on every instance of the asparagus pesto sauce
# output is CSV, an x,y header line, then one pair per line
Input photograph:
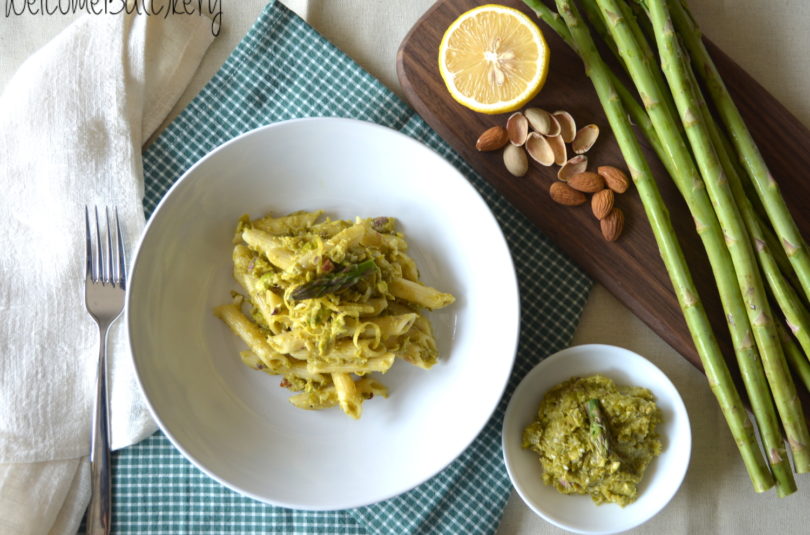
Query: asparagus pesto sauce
x,y
596,438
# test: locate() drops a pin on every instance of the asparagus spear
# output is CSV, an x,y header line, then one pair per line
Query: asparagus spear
x,y
747,150
633,108
705,342
692,187
628,101
676,67
790,303
775,265
333,282
681,166
597,428
745,351
747,355
645,51
797,361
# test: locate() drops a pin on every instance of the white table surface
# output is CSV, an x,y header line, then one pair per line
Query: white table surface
x,y
769,39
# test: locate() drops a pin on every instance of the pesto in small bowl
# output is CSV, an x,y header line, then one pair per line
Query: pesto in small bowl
x,y
596,438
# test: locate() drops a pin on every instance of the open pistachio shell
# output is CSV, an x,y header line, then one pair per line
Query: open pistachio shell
x,y
558,147
568,127
573,166
517,127
539,149
585,138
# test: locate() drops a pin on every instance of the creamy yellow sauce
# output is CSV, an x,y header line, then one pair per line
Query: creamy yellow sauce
x,y
596,438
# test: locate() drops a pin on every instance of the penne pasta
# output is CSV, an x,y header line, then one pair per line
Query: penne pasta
x,y
272,248
343,350
251,334
418,293
407,266
288,224
266,301
332,303
348,397
375,364
327,397
383,326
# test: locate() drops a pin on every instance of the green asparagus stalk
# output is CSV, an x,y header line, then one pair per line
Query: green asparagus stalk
x,y
737,238
682,169
747,354
597,428
699,327
628,101
642,19
555,22
795,313
721,141
645,52
333,282
786,297
742,185
766,186
795,357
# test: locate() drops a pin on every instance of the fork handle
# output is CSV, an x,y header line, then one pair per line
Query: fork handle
x,y
99,514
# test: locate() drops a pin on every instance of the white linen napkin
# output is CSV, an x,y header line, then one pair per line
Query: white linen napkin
x,y
73,120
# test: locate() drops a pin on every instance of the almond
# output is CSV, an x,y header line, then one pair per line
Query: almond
x,y
602,203
492,139
615,178
562,193
587,181
613,224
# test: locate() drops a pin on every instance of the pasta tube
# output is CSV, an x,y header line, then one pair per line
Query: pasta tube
x,y
419,293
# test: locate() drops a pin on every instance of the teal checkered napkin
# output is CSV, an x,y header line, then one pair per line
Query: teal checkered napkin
x,y
284,69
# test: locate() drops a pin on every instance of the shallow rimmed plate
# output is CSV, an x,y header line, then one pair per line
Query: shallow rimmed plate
x,y
578,513
236,424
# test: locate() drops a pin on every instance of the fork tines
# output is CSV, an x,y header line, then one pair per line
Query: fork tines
x,y
105,263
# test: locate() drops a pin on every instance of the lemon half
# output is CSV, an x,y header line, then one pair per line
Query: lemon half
x,y
493,59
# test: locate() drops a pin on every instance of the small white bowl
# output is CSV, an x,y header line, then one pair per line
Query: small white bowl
x,y
580,514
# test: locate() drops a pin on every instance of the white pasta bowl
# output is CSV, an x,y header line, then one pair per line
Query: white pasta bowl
x,y
577,513
236,424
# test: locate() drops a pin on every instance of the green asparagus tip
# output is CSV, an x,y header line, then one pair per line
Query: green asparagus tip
x,y
334,282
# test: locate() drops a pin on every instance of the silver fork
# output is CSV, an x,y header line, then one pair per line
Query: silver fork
x,y
104,290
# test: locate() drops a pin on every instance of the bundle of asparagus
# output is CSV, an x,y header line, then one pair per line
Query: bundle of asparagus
x,y
758,258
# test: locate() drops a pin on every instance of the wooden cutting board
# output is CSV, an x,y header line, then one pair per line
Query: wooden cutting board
x,y
630,268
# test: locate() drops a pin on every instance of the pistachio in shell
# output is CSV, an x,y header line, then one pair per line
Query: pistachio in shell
x,y
568,127
539,149
559,149
585,138
515,160
517,127
542,121
574,166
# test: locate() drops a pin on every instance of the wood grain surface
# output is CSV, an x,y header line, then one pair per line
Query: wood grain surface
x,y
630,268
